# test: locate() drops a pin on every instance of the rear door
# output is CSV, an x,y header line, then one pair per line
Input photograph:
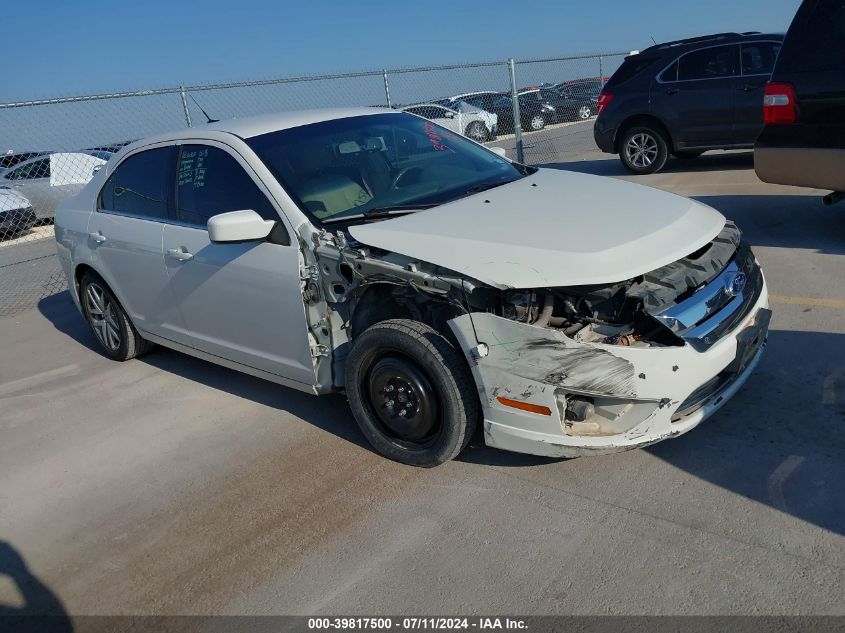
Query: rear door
x,y
125,236
240,301
757,61
695,96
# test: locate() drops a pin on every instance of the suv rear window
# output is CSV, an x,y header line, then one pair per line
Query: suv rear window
x,y
630,68
816,39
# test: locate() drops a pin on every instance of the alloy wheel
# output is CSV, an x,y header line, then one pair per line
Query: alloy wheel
x,y
537,123
103,316
641,150
584,112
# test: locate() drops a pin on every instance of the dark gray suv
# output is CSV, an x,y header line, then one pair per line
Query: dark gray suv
x,y
686,97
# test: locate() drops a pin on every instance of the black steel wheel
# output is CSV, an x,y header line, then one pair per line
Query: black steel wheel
x,y
411,393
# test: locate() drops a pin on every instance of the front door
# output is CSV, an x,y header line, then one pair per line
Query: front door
x,y
243,301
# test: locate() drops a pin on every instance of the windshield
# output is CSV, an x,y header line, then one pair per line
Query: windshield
x,y
346,168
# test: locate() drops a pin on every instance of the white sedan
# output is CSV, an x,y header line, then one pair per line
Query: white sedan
x,y
438,284
463,118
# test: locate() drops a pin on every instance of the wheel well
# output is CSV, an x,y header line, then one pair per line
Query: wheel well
x,y
79,273
383,301
376,304
642,119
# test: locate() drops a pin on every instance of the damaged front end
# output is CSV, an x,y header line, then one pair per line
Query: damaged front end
x,y
574,370
571,371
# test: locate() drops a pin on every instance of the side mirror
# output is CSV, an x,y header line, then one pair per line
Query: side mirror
x,y
499,151
449,115
238,226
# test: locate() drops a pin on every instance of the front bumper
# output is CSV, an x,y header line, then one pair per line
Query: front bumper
x,y
646,394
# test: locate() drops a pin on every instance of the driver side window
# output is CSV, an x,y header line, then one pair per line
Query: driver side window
x,y
210,181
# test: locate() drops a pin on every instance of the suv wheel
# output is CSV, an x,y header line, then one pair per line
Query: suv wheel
x,y
643,150
108,321
411,393
584,112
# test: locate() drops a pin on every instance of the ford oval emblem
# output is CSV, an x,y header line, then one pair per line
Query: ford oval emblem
x,y
737,284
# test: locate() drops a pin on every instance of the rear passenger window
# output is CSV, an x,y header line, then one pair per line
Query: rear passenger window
x,y
759,58
708,63
141,185
210,181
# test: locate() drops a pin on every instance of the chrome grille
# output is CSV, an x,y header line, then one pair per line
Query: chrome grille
x,y
718,306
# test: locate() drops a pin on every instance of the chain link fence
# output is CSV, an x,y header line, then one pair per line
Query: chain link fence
x,y
538,110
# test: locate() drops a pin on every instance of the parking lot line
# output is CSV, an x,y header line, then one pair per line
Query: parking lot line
x,y
808,301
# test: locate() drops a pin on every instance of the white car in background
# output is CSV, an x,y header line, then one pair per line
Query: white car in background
x,y
461,117
16,214
45,180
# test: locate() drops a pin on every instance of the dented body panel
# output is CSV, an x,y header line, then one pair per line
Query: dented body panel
x,y
643,387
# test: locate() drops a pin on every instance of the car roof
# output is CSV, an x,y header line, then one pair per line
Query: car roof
x,y
715,38
247,127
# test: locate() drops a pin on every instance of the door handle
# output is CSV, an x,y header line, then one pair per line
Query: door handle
x,y
180,254
672,91
748,88
98,237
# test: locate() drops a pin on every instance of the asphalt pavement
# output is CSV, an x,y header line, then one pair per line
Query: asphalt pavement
x,y
169,485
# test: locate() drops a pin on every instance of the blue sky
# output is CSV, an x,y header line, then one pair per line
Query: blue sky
x,y
59,47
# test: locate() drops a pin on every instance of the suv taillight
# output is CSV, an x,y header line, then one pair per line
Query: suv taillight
x,y
779,104
604,98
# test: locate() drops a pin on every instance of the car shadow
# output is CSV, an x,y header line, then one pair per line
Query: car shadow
x,y
778,441
329,413
787,221
41,609
611,166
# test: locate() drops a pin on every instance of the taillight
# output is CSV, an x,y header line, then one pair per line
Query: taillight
x,y
779,104
604,98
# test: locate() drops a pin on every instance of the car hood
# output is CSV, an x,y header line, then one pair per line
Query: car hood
x,y
553,228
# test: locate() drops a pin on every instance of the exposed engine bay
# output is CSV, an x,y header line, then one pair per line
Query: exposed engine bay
x,y
363,285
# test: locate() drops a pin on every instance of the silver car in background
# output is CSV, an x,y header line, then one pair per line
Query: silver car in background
x,y
45,180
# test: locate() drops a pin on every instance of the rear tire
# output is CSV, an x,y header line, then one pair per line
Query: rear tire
x,y
108,321
584,112
643,150
411,393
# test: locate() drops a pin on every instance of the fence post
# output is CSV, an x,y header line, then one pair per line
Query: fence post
x,y
386,88
185,107
517,121
601,73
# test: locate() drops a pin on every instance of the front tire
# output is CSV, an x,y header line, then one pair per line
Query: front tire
x,y
108,321
585,112
643,150
411,393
